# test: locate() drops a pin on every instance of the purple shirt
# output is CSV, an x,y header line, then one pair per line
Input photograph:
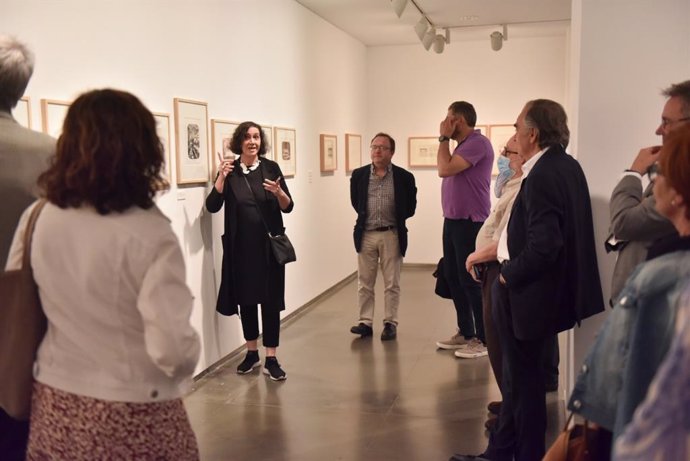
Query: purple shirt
x,y
466,194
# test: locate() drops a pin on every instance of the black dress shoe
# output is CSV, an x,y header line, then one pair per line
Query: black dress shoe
x,y
362,329
491,423
389,332
494,408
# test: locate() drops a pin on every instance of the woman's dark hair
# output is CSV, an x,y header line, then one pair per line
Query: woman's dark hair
x,y
241,132
108,156
674,161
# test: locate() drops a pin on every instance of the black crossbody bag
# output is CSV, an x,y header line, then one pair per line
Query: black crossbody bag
x,y
281,246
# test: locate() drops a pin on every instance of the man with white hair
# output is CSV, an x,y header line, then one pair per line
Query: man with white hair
x,y
23,156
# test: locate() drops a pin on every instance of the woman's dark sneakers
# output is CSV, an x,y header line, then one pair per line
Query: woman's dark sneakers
x,y
273,370
251,361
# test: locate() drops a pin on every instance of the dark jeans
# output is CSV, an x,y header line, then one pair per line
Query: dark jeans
x,y
522,422
493,344
270,319
14,436
459,236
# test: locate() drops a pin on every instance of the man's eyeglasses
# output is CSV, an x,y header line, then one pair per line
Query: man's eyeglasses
x,y
380,147
654,171
667,122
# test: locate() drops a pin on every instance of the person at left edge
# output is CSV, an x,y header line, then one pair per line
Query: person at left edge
x,y
384,196
251,186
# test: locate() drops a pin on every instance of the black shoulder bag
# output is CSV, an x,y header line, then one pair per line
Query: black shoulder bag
x,y
281,246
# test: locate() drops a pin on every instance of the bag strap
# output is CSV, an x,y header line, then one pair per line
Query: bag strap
x,y
256,204
29,233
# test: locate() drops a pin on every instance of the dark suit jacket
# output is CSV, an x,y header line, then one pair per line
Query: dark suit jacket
x,y
552,276
405,192
227,303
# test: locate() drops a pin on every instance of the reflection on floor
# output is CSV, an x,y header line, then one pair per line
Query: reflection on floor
x,y
354,399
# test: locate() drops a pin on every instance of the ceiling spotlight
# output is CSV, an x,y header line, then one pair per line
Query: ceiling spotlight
x,y
429,38
440,41
497,38
421,27
399,6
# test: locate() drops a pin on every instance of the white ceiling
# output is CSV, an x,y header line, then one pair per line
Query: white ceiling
x,y
374,23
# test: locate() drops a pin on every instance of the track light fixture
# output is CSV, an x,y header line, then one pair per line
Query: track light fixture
x,y
497,38
399,6
429,38
440,41
421,27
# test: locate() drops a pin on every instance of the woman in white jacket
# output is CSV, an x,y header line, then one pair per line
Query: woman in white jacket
x,y
119,351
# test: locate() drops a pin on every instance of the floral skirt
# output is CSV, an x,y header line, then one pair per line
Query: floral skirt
x,y
67,426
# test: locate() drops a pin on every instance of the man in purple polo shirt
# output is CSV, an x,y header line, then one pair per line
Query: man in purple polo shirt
x,y
466,204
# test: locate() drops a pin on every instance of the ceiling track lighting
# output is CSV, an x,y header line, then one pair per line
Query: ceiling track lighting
x,y
425,29
497,38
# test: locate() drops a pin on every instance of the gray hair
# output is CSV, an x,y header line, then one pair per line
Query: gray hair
x,y
549,118
16,67
682,91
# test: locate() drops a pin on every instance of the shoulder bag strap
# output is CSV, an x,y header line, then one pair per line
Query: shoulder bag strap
x,y
29,233
256,204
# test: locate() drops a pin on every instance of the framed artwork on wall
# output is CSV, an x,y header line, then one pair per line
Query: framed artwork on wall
x,y
329,152
285,150
268,139
499,136
163,131
22,112
53,114
421,151
353,151
191,141
221,137
483,129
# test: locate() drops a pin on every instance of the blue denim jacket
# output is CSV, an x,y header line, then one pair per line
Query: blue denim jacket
x,y
632,343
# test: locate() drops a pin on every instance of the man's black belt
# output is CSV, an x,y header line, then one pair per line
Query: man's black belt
x,y
382,229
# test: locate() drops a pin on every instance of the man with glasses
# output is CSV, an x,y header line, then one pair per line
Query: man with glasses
x,y
465,200
635,223
384,196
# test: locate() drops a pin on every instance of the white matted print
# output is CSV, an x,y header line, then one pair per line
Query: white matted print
x,y
329,152
191,141
268,140
22,112
285,150
353,151
53,113
221,139
499,136
422,151
163,131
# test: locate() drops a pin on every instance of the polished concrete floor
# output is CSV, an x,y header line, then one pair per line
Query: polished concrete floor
x,y
354,399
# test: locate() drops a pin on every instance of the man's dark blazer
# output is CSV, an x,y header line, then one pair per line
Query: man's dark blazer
x,y
552,276
405,192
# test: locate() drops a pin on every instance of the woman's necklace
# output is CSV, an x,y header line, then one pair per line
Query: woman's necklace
x,y
247,169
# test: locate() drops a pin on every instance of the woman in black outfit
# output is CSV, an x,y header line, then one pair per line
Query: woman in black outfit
x,y
254,193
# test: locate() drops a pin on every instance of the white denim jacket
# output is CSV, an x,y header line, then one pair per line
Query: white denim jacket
x,y
114,292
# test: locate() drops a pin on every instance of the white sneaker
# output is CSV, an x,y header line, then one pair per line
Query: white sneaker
x,y
475,348
455,342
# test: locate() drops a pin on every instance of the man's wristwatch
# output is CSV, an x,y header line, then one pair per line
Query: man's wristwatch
x,y
443,138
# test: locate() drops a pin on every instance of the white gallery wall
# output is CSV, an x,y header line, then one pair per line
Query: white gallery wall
x,y
271,61
625,52
410,89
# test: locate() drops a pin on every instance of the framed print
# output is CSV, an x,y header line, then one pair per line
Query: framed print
x,y
483,129
22,112
53,114
329,152
191,141
353,151
268,139
422,151
285,150
221,137
499,136
163,131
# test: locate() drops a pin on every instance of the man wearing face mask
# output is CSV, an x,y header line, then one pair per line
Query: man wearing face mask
x,y
484,267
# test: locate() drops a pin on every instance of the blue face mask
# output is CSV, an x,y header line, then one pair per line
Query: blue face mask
x,y
504,175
